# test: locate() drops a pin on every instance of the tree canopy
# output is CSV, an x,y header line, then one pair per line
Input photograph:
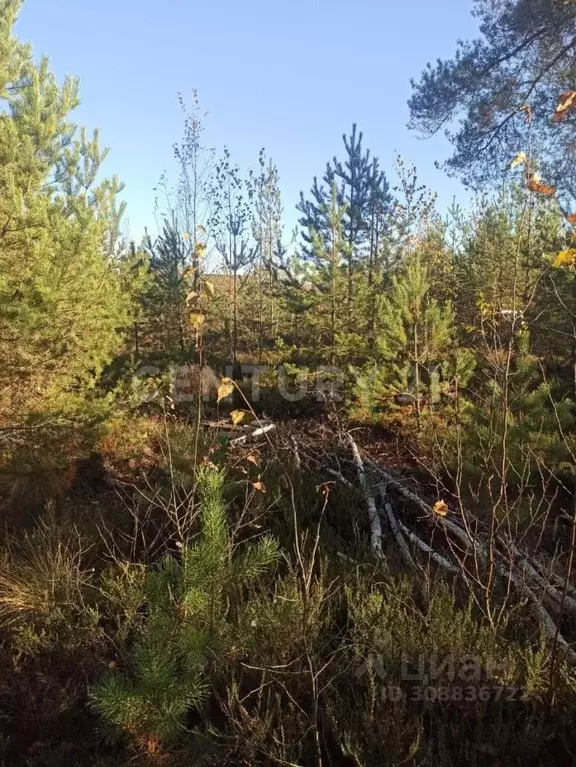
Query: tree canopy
x,y
497,95
61,300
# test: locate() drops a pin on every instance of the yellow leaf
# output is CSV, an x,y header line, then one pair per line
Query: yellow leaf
x,y
520,159
208,288
566,103
566,258
259,486
192,297
252,458
440,508
196,319
241,416
186,236
225,389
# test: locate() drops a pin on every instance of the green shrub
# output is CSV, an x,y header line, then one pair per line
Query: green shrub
x,y
187,603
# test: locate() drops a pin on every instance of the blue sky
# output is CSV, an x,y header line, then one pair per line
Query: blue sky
x,y
289,75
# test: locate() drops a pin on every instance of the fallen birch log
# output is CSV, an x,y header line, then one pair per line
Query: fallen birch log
x,y
374,517
543,615
535,578
255,433
395,528
434,556
516,567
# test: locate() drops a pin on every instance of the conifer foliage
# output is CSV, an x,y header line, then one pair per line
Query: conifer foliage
x,y
61,303
415,338
187,600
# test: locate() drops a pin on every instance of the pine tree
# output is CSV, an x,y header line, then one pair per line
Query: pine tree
x,y
319,296
522,419
415,335
187,604
363,192
168,330
61,299
523,57
501,265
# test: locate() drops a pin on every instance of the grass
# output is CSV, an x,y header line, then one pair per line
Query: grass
x,y
328,659
42,576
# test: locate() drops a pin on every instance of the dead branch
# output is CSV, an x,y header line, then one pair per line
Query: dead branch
x,y
434,556
256,433
395,528
375,526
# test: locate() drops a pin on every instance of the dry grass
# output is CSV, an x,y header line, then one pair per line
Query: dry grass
x,y
42,575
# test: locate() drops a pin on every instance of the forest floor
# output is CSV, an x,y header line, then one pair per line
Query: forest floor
x,y
300,478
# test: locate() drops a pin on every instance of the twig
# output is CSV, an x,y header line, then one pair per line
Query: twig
x,y
296,452
342,479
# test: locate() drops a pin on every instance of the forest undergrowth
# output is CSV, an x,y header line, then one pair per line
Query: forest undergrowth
x,y
306,500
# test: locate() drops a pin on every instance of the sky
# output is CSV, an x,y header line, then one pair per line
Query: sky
x,y
288,75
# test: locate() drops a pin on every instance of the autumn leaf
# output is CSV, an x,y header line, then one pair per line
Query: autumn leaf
x,y
192,297
208,288
572,218
527,109
566,258
225,389
520,159
566,103
186,236
440,508
241,416
259,486
252,458
196,319
535,185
